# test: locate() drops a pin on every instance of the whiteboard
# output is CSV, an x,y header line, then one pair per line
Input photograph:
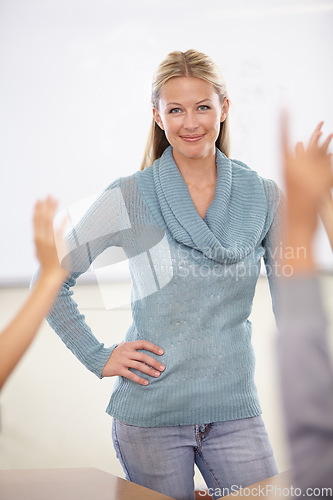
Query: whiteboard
x,y
75,93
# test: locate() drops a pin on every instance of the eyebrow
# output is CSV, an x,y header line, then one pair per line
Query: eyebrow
x,y
178,104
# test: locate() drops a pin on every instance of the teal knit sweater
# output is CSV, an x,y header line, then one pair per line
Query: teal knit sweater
x,y
193,283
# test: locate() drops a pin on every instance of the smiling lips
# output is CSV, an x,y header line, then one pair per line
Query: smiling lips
x,y
192,138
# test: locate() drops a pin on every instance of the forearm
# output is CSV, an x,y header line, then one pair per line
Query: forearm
x,y
18,335
70,325
297,252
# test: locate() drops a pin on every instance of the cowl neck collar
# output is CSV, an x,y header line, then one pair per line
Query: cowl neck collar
x,y
234,220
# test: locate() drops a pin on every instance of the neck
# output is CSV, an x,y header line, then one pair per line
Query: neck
x,y
197,172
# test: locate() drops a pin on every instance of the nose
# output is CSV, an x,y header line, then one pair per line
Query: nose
x,y
190,121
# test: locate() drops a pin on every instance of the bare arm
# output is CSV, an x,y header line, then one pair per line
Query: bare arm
x,y
18,335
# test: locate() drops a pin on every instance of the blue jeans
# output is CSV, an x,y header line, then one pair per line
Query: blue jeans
x,y
229,455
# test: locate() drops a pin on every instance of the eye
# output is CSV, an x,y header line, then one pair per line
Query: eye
x,y
174,110
203,107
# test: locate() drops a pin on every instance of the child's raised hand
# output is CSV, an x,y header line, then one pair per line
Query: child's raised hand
x,y
308,178
45,238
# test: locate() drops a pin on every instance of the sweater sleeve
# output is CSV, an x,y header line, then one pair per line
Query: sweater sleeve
x,y
306,377
272,242
100,228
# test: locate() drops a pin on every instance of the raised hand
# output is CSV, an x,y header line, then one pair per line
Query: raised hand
x,y
308,182
46,238
308,177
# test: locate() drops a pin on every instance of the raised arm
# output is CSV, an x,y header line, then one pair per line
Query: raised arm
x,y
305,366
18,335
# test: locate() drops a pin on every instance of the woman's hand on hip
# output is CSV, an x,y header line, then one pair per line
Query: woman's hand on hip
x,y
126,356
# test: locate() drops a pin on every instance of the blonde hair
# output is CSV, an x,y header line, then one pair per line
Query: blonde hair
x,y
190,63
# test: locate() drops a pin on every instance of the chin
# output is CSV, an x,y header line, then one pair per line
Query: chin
x,y
196,152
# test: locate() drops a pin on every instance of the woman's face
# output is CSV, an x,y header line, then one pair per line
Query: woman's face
x,y
190,112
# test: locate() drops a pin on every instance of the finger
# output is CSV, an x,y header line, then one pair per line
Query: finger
x,y
148,346
135,378
39,219
299,149
36,216
44,214
50,206
315,133
313,142
144,358
318,127
326,143
141,367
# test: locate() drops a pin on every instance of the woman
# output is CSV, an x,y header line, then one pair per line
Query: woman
x,y
194,227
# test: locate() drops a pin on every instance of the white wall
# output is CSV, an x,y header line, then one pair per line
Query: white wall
x,y
75,92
